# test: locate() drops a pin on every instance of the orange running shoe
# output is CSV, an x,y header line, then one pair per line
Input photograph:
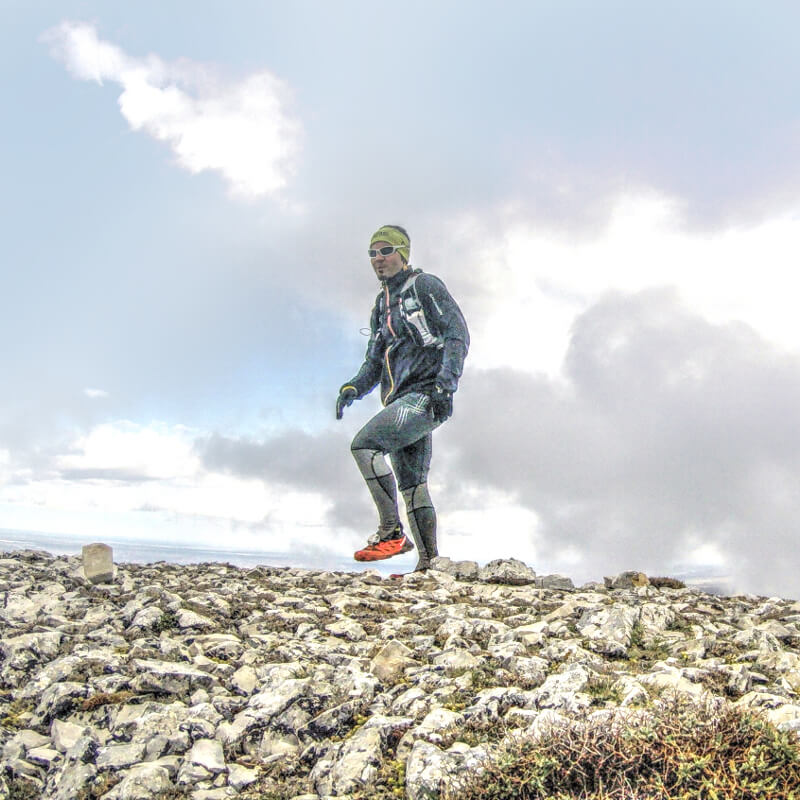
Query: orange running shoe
x,y
377,549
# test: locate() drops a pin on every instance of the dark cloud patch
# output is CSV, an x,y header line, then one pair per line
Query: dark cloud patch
x,y
298,460
667,430
106,474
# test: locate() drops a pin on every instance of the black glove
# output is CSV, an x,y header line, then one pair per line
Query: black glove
x,y
441,404
346,396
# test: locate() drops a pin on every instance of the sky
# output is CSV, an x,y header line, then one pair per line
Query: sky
x,y
610,190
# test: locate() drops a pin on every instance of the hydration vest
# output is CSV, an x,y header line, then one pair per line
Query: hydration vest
x,y
412,313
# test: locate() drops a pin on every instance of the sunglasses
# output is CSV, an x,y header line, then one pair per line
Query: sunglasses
x,y
385,251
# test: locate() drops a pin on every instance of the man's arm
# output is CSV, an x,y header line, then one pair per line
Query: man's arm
x,y
369,374
444,315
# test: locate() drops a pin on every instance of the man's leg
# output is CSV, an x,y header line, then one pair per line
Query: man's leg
x,y
422,520
381,484
411,465
397,427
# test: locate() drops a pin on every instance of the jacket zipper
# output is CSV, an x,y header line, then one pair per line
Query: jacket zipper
x,y
388,349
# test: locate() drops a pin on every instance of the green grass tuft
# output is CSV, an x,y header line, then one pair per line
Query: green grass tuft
x,y
167,622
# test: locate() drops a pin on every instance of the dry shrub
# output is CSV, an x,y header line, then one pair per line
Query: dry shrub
x,y
680,751
20,789
667,583
106,699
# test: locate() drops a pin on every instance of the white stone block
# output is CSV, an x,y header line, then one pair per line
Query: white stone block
x,y
98,563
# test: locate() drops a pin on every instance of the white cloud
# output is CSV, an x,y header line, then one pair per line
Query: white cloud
x,y
665,440
490,524
147,452
242,130
95,394
5,462
533,283
150,480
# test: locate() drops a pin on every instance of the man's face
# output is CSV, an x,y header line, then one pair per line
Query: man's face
x,y
386,266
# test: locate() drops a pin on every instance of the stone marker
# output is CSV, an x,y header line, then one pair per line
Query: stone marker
x,y
98,563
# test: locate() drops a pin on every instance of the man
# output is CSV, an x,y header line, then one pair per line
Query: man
x,y
416,350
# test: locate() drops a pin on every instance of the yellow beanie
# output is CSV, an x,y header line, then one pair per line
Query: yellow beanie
x,y
396,236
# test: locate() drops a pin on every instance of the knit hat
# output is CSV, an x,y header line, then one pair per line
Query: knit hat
x,y
396,236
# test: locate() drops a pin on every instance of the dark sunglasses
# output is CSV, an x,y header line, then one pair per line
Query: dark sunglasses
x,y
385,251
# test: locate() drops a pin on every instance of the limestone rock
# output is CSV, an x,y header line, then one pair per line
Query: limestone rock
x,y
390,662
59,699
461,570
559,690
358,764
609,628
332,720
120,756
348,629
168,677
22,741
142,783
43,756
456,658
240,777
508,571
429,769
17,609
74,782
432,729
244,680
191,619
208,754
667,677
627,580
555,582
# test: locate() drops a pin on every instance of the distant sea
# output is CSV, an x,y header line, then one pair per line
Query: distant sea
x,y
144,551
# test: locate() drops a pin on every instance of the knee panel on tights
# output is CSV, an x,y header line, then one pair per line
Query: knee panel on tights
x,y
417,497
371,463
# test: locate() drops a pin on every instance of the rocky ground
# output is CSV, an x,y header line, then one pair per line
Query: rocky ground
x,y
209,681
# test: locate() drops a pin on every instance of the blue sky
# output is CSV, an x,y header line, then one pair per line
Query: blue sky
x,y
610,190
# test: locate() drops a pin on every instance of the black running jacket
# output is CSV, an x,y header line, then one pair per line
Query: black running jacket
x,y
418,338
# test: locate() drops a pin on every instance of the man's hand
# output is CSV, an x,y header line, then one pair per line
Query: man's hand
x,y
346,396
441,404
